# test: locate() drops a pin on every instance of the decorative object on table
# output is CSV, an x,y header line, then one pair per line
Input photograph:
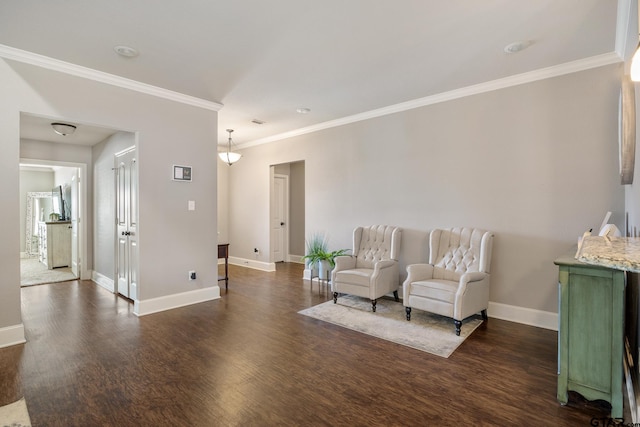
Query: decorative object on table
x,y
455,283
426,332
372,270
318,258
54,217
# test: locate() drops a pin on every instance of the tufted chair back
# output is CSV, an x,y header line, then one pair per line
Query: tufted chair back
x,y
375,243
456,251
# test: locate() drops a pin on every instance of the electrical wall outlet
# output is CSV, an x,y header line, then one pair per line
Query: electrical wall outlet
x,y
192,275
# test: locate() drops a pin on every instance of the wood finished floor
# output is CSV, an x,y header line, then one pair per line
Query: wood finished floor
x,y
248,359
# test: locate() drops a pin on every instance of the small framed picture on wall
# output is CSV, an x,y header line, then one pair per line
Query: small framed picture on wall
x,y
182,173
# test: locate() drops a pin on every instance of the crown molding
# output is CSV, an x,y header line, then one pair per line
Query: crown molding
x,y
42,61
515,80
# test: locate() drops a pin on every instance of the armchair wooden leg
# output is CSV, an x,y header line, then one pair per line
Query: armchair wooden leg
x,y
395,295
408,310
484,315
335,297
373,304
458,326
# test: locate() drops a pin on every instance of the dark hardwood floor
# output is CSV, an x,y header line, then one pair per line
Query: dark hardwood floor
x,y
248,359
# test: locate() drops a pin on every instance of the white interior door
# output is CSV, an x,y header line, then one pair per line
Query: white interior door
x,y
126,223
75,223
279,217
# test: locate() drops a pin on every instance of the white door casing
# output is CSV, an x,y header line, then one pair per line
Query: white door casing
x,y
126,257
75,221
279,218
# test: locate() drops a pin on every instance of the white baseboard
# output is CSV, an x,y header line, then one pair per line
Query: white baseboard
x,y
256,265
103,281
154,305
12,335
526,316
295,258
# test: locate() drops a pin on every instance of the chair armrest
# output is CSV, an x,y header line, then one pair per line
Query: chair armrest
x,y
384,263
417,272
473,276
470,278
344,262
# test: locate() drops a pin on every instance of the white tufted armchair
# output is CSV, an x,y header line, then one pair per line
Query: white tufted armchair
x,y
455,283
372,269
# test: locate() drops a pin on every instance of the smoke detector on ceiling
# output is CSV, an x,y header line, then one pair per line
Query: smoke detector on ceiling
x,y
517,46
126,51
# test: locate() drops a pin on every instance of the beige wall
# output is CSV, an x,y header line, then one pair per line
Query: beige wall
x,y
172,240
535,163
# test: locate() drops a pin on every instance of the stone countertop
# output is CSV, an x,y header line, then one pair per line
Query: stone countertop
x,y
621,253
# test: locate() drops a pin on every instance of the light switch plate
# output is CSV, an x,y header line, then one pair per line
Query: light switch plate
x,y
192,205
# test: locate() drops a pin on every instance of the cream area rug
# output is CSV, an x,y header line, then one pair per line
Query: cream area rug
x,y
33,272
15,415
426,331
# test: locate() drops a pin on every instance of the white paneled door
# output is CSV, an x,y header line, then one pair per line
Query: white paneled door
x,y
279,217
126,223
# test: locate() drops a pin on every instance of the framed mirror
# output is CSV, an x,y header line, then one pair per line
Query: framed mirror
x,y
627,130
38,209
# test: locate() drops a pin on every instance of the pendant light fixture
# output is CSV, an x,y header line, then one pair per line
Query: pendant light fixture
x,y
229,157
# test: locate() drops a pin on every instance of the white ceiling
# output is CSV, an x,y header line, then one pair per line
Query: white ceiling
x,y
263,59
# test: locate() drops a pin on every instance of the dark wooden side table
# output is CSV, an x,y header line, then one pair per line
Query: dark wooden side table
x,y
223,252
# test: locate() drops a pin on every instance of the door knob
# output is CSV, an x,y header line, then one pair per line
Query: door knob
x,y
282,223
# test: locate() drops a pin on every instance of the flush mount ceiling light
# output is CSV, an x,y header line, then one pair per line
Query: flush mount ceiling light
x,y
126,51
229,157
303,110
517,46
63,129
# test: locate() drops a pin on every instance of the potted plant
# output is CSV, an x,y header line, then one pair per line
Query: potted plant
x,y
318,257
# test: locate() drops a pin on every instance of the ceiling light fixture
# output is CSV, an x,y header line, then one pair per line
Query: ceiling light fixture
x,y
126,51
517,46
63,129
229,157
303,110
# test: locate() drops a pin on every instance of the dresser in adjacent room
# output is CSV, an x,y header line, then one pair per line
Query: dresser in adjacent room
x,y
54,246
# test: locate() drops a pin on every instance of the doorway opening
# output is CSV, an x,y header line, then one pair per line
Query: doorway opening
x,y
287,212
52,240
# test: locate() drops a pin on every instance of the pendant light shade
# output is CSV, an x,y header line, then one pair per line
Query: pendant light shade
x,y
229,157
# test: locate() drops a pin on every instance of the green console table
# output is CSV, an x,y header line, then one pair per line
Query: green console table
x,y
591,332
